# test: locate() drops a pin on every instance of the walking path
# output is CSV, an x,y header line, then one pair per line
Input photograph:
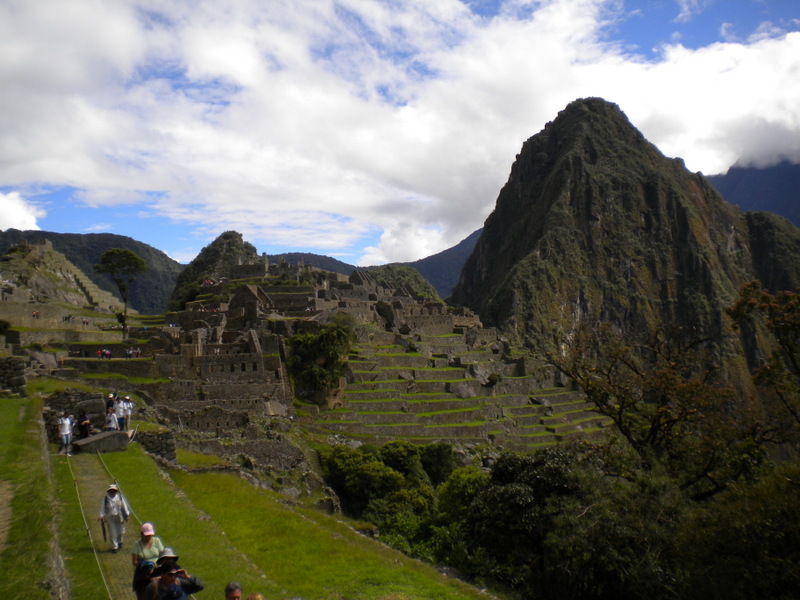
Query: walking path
x,y
92,479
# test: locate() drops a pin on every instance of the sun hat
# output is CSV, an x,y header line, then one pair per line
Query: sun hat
x,y
167,555
147,529
113,486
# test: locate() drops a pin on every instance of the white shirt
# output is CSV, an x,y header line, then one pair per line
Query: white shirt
x,y
64,426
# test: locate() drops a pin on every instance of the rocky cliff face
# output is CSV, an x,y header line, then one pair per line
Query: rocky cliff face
x,y
595,223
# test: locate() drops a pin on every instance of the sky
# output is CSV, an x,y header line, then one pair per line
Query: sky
x,y
372,131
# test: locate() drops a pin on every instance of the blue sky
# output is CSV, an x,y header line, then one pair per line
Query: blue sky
x,y
372,131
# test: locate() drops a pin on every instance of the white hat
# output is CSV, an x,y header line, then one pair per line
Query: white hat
x,y
113,486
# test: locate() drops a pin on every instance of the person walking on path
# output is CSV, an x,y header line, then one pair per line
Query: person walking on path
x,y
65,431
127,404
119,412
114,512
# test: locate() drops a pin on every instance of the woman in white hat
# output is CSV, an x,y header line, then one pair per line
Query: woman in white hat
x,y
114,511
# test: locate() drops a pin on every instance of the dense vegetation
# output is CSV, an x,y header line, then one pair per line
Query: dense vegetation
x,y
693,497
316,360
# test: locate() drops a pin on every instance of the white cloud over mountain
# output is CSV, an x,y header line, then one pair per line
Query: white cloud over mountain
x,y
319,124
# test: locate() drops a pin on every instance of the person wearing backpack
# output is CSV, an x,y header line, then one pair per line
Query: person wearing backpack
x,y
114,511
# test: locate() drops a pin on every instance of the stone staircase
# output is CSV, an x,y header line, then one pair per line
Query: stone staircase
x,y
440,388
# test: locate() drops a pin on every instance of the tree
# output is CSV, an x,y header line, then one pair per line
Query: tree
x,y
746,542
778,376
316,361
122,266
664,393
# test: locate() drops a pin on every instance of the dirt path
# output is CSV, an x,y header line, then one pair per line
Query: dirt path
x,y
117,570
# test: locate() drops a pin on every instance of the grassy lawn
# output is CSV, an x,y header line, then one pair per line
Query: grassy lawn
x,y
25,497
309,554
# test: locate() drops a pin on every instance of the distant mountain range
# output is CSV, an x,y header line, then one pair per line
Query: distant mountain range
x,y
773,189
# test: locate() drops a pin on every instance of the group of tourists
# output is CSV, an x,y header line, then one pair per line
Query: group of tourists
x,y
156,572
68,426
118,413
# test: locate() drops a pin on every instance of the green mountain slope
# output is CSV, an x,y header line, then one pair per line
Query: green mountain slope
x,y
148,294
595,224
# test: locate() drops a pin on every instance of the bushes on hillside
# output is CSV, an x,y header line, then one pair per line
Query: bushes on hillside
x,y
317,360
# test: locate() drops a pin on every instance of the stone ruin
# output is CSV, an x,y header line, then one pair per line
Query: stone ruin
x,y
226,364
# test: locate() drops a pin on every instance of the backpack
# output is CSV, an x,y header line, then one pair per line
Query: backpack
x,y
141,576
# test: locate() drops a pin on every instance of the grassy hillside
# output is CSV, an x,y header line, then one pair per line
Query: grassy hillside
x,y
221,526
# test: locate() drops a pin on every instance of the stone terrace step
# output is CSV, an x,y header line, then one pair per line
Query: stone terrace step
x,y
405,360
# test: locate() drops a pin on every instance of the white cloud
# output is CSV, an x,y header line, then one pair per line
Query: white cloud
x,y
19,213
313,124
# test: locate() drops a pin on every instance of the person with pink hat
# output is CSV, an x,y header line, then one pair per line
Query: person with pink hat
x,y
144,554
147,547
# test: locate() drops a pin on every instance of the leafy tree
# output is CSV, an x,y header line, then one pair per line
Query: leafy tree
x,y
613,539
359,478
439,461
746,543
404,457
317,360
778,377
122,266
666,398
509,520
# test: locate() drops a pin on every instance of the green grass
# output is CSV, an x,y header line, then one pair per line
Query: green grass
x,y
203,547
307,553
451,411
46,385
82,570
194,460
23,562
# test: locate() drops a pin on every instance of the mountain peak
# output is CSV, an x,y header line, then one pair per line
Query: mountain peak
x,y
596,224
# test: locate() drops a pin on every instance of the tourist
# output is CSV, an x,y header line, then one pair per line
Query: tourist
x,y
111,420
233,591
119,412
84,425
65,432
127,404
148,546
167,555
144,554
114,512
174,583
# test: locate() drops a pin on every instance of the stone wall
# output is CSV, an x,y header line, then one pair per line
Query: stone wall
x,y
160,443
13,373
